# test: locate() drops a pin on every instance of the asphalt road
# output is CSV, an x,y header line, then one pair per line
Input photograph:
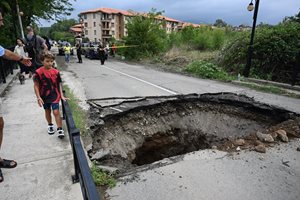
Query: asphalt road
x,y
119,79
206,174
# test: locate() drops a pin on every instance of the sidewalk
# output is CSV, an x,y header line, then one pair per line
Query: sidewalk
x,y
45,162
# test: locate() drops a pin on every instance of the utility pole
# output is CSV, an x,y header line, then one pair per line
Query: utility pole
x,y
19,18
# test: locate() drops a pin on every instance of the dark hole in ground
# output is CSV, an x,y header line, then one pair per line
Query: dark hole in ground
x,y
144,130
164,145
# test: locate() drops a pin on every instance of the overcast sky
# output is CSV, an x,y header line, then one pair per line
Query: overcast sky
x,y
233,12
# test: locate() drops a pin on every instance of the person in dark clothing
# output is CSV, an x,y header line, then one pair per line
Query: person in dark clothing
x,y
101,50
296,70
79,52
35,46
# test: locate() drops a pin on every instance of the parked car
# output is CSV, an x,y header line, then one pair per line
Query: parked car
x,y
90,50
61,50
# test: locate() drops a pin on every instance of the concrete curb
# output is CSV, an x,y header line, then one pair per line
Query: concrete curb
x,y
283,85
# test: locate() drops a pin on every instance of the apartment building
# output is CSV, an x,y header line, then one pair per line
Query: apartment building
x,y
104,23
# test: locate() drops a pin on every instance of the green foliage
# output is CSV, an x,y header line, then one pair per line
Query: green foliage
x,y
220,23
44,31
60,30
79,115
102,178
202,38
33,11
208,70
7,37
146,32
274,53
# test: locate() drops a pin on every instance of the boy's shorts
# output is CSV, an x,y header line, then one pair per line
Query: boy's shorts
x,y
54,106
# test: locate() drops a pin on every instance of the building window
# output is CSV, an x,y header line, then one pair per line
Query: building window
x,y
95,39
86,32
95,32
94,15
85,16
113,32
94,24
113,16
85,24
112,25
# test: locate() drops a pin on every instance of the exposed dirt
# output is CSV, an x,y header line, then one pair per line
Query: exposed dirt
x,y
138,131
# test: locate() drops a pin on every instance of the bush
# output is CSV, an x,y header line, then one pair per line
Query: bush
x,y
146,32
201,38
275,49
208,70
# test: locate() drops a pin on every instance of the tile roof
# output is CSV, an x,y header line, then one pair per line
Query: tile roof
x,y
108,11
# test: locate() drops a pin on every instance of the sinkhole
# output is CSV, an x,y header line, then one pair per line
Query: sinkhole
x,y
130,132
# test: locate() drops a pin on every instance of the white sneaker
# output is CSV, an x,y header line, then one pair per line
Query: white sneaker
x,y
51,129
61,133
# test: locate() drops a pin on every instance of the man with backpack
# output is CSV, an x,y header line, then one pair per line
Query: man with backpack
x,y
35,46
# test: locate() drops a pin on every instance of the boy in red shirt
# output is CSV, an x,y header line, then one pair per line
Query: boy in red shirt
x,y
48,90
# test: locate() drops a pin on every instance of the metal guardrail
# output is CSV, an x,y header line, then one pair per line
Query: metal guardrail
x,y
6,68
82,170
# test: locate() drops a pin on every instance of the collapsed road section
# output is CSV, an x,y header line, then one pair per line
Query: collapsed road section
x,y
130,132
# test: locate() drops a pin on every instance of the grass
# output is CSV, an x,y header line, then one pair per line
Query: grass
x,y
102,178
207,70
79,115
270,89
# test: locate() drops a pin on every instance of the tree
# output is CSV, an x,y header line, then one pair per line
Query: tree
x,y
145,31
295,18
60,30
220,23
33,11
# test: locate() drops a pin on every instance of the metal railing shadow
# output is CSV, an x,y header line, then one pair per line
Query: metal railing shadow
x,y
82,170
6,68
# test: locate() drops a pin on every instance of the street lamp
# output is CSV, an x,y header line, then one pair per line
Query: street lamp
x,y
250,49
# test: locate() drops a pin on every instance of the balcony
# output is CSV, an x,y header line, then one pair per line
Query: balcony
x,y
106,35
105,28
105,19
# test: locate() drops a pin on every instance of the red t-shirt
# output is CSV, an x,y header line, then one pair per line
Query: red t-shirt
x,y
49,81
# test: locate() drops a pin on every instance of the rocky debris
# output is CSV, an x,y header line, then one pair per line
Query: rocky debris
x,y
89,148
239,142
100,154
261,148
298,149
274,135
111,170
238,148
264,137
282,135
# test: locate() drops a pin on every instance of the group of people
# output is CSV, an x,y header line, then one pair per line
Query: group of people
x,y
33,56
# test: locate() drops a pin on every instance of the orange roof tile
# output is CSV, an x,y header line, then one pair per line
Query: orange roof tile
x,y
108,11
185,24
168,18
77,30
77,26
